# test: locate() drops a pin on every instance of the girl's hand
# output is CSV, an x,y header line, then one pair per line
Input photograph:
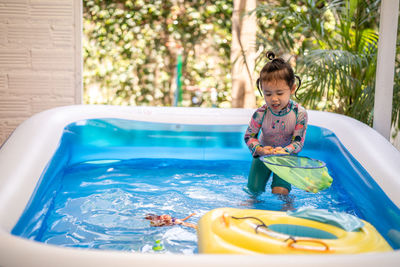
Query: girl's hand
x,y
280,150
266,150
269,150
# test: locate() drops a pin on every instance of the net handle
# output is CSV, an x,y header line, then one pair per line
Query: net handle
x,y
323,164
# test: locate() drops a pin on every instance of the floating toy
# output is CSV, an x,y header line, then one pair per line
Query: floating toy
x,y
158,246
240,231
305,173
168,220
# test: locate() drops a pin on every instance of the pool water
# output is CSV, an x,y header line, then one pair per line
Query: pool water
x,y
108,174
103,204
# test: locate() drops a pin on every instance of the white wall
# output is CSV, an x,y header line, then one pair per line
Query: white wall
x,y
40,58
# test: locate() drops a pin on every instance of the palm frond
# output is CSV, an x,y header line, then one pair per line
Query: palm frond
x,y
332,72
369,41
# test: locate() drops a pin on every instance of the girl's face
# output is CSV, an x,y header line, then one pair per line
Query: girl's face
x,y
277,94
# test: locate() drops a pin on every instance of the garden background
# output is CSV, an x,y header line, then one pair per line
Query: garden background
x,y
132,50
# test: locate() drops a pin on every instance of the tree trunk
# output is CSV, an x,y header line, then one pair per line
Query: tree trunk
x,y
243,53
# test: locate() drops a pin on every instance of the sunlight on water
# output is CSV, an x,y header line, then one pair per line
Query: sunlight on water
x,y
103,204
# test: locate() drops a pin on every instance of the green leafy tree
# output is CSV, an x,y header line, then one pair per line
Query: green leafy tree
x,y
127,59
334,44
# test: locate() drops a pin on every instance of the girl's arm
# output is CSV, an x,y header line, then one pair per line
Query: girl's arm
x,y
299,133
251,135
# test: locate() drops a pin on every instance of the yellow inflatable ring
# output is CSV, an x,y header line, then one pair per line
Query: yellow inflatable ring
x,y
240,231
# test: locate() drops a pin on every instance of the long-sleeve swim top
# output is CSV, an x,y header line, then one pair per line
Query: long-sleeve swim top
x,y
286,129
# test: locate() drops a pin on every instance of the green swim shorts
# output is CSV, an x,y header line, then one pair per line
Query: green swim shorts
x,y
259,176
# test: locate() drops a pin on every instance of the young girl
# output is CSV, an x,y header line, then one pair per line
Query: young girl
x,y
278,127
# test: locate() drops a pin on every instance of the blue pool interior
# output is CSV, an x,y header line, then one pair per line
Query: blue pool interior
x,y
107,174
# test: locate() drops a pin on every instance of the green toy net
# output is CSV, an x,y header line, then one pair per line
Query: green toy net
x,y
305,173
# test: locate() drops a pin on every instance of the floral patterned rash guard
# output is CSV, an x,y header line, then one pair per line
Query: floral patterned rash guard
x,y
286,129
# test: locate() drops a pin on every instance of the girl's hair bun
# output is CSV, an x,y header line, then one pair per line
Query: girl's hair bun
x,y
270,55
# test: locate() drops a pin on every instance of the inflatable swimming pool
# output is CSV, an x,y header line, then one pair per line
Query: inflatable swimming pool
x,y
28,151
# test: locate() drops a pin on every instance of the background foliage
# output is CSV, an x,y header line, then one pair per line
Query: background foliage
x,y
131,46
331,43
334,47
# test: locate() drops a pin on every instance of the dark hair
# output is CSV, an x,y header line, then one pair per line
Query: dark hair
x,y
277,69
